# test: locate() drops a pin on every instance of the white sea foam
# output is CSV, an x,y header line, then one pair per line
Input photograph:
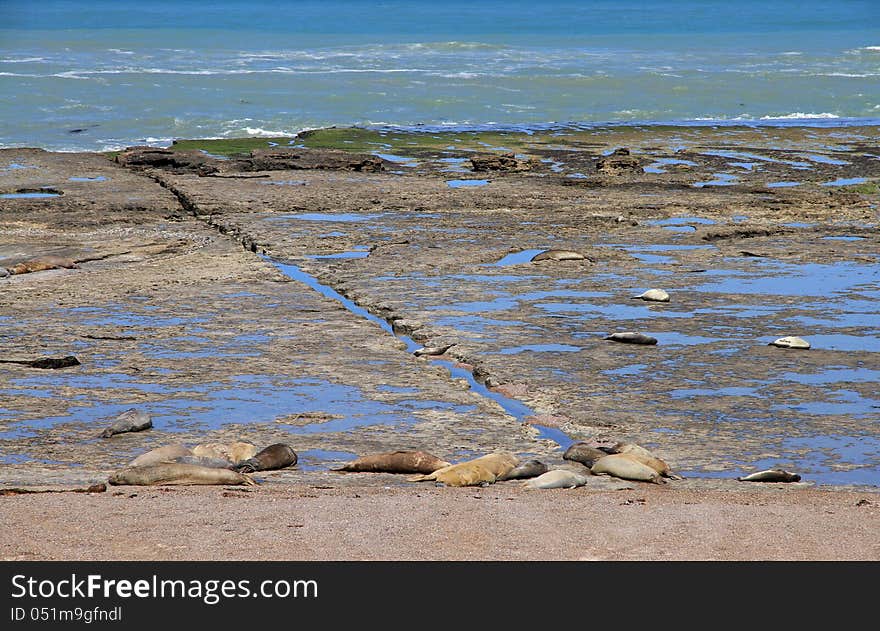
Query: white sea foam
x,y
798,115
259,131
24,60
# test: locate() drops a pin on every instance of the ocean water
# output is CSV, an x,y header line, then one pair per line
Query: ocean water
x,y
103,74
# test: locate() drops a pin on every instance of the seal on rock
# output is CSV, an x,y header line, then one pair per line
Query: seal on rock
x,y
277,456
629,337
395,462
527,469
483,470
583,453
626,468
771,475
791,341
132,420
166,453
558,255
556,479
177,473
234,452
40,263
432,350
653,295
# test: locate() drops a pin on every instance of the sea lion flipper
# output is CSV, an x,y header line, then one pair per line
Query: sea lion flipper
x,y
248,480
421,477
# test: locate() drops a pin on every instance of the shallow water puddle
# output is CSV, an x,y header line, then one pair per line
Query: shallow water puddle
x,y
540,348
659,163
31,195
516,258
846,181
466,183
340,217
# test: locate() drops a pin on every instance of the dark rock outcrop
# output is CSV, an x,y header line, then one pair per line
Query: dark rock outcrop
x,y
499,162
301,159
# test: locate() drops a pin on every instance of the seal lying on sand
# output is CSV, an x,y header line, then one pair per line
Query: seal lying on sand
x,y
177,473
771,475
234,452
132,420
629,337
556,479
166,453
485,469
626,468
40,263
527,469
640,454
792,341
395,462
558,255
583,453
653,295
273,457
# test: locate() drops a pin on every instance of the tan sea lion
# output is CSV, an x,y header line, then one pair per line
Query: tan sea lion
x,y
654,462
486,469
527,469
204,461
556,479
771,475
40,263
558,255
654,295
629,337
395,462
583,453
177,473
166,453
235,452
624,467
132,420
277,456
792,341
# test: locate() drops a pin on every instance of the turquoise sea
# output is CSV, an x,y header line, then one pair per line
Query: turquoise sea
x,y
102,74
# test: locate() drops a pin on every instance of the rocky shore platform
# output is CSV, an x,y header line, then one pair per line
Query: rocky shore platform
x,y
274,290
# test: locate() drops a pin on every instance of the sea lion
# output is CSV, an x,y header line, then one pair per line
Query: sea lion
x,y
205,461
485,469
234,452
558,255
556,479
132,420
40,263
166,453
432,350
771,475
623,448
177,473
277,456
626,468
629,337
527,469
792,341
654,295
654,462
395,462
583,453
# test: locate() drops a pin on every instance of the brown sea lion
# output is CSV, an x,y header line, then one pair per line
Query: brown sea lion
x,y
626,468
277,456
395,462
40,263
132,420
485,469
177,473
234,452
527,469
166,453
583,453
629,337
558,255
771,475
557,479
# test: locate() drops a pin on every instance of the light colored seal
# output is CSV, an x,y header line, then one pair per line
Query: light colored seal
x,y
132,420
432,350
204,461
624,467
654,462
556,479
628,337
166,453
177,473
654,295
396,462
771,475
583,453
40,263
234,452
524,470
277,456
558,255
792,341
483,470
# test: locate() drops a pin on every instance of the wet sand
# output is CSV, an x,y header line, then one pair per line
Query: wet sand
x,y
177,309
